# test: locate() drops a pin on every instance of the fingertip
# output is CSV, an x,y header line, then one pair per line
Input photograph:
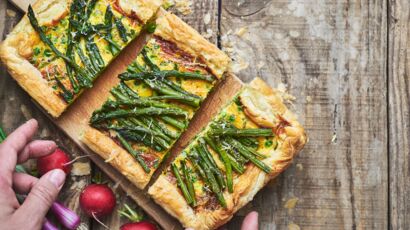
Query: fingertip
x,y
32,122
51,146
56,177
251,221
254,214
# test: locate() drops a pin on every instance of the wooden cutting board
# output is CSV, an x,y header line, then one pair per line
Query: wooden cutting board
x,y
76,118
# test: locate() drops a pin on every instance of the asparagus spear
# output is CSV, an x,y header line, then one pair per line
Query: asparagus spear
x,y
108,21
219,131
213,183
172,73
46,40
189,181
131,93
149,61
181,184
193,158
144,139
66,94
116,92
203,153
172,121
249,142
143,128
102,116
238,145
206,175
134,153
165,87
94,52
86,62
239,168
69,53
134,125
141,102
158,127
248,155
121,30
217,147
90,7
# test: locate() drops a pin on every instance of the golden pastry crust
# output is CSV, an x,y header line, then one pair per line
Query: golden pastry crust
x,y
142,9
172,28
19,44
118,157
168,196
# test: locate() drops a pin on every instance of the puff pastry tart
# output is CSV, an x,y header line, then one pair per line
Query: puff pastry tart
x,y
61,46
155,100
252,140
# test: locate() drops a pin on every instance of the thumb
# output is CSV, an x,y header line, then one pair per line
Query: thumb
x,y
42,195
250,222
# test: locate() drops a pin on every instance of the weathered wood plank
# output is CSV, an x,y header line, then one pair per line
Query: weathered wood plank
x,y
331,55
399,113
204,18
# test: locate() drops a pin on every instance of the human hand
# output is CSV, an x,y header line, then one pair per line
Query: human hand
x,y
16,149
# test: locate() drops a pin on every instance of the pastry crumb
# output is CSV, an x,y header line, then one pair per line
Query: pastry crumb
x,y
308,99
207,18
289,98
293,226
334,138
10,13
260,65
183,6
294,34
241,31
209,33
112,156
81,169
291,203
299,166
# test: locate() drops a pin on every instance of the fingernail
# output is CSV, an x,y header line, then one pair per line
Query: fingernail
x,y
57,177
32,120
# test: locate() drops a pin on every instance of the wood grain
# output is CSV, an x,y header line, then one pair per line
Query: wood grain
x,y
331,55
399,113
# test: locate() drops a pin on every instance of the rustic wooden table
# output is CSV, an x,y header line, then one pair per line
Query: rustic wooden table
x,y
348,65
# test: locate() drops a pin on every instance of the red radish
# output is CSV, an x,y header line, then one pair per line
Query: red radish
x,y
143,225
57,160
97,200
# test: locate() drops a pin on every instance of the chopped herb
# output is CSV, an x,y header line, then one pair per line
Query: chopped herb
x,y
268,143
36,51
47,52
150,27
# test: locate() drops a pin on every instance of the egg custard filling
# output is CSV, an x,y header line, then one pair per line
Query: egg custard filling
x,y
222,152
72,51
156,98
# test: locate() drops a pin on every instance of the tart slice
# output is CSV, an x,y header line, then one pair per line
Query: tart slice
x,y
155,99
252,140
61,46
